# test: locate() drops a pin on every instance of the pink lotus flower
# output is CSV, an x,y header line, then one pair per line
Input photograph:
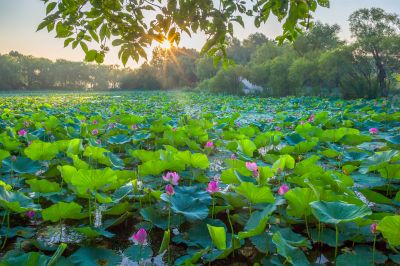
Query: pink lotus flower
x,y
373,130
98,141
95,132
140,237
283,189
373,228
22,132
169,189
233,156
212,187
252,166
172,177
209,144
30,214
174,129
112,125
13,158
278,128
134,127
312,118
301,122
94,122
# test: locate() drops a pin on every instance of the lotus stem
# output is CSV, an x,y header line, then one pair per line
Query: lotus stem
x,y
308,231
213,207
61,231
8,229
169,231
250,209
337,241
373,250
233,233
90,212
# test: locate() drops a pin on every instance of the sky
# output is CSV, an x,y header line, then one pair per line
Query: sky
x,y
19,20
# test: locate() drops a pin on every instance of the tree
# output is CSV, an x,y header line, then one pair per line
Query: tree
x,y
320,38
10,73
135,24
377,35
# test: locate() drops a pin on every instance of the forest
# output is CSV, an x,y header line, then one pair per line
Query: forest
x,y
317,63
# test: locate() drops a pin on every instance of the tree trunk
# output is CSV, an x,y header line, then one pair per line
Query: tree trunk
x,y
381,73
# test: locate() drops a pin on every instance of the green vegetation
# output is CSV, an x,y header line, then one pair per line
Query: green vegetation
x,y
316,63
181,178
133,25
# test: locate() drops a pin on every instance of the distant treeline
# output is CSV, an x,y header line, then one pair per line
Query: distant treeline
x,y
317,63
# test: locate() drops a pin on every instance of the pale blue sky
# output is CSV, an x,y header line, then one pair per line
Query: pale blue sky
x,y
19,19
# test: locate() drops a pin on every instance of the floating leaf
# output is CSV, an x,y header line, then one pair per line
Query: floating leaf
x,y
337,212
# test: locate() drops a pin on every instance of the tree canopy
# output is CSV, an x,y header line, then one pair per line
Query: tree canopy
x,y
134,25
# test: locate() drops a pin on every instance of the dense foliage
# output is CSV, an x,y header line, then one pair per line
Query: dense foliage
x,y
134,25
185,179
20,72
316,63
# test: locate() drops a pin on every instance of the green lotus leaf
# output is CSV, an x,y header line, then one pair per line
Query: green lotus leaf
x,y
284,161
62,211
218,236
153,167
390,229
39,150
247,147
144,155
354,139
91,256
199,160
304,147
15,201
25,232
98,154
361,256
93,232
29,259
299,200
394,140
3,154
115,161
72,146
165,241
198,234
375,197
334,135
257,222
93,180
5,185
137,253
119,139
67,172
158,218
43,186
292,253
254,193
337,212
390,171
294,139
21,165
377,161
191,202
8,142
78,163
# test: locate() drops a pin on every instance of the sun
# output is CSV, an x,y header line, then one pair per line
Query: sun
x,y
165,45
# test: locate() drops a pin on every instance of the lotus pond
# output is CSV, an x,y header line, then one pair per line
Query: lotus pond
x,y
192,179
